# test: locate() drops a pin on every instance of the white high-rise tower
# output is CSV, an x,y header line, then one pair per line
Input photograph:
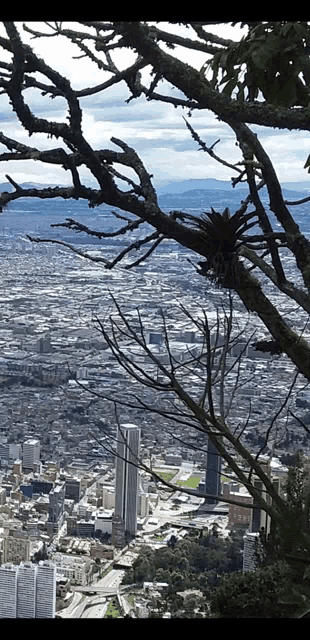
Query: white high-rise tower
x,y
8,590
127,475
28,590
46,590
31,452
26,594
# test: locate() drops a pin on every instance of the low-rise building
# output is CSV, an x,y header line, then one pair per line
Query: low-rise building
x,y
16,547
101,551
75,568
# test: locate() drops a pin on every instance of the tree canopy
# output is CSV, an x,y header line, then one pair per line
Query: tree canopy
x,y
262,79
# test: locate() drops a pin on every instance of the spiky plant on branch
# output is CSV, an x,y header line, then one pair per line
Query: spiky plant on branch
x,y
224,235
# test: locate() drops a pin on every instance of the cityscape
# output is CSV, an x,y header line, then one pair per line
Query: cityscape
x,y
77,504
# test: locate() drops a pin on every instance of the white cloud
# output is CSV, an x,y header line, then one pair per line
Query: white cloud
x,y
155,129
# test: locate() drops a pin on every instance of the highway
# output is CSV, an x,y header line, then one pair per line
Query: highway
x,y
96,610
94,606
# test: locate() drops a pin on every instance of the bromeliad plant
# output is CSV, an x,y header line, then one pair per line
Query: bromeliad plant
x,y
224,235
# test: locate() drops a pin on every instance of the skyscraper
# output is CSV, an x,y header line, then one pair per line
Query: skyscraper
x,y
56,506
28,590
8,590
213,473
31,452
127,474
46,590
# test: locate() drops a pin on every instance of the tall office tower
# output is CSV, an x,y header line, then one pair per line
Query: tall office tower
x,y
56,504
8,590
15,451
31,452
73,489
213,473
250,550
46,590
127,475
118,532
143,501
26,591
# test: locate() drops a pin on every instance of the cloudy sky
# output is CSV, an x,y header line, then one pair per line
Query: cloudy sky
x,y
156,130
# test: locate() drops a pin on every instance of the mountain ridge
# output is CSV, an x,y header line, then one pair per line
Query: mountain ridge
x,y
222,185
184,187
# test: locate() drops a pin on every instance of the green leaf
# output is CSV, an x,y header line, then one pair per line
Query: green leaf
x,y
240,94
300,29
307,569
307,164
228,76
260,57
287,93
293,598
229,87
287,27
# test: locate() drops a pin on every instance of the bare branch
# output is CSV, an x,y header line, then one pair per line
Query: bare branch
x,y
288,287
83,254
300,421
210,151
146,255
79,227
276,415
302,201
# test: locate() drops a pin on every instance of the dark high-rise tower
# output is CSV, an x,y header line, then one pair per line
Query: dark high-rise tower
x,y
213,473
127,473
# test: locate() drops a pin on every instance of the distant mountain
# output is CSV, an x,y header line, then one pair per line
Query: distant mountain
x,y
194,192
196,198
190,185
296,186
6,186
222,185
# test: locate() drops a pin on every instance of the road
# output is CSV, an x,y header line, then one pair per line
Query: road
x,y
97,609
112,580
96,604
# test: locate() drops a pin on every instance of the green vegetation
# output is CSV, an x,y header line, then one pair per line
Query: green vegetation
x,y
113,609
165,475
258,594
225,479
192,482
196,561
130,598
106,571
280,587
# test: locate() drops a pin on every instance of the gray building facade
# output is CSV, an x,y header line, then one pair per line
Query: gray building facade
x,y
127,476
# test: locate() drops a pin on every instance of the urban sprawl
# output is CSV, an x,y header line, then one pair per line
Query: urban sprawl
x,y
74,512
